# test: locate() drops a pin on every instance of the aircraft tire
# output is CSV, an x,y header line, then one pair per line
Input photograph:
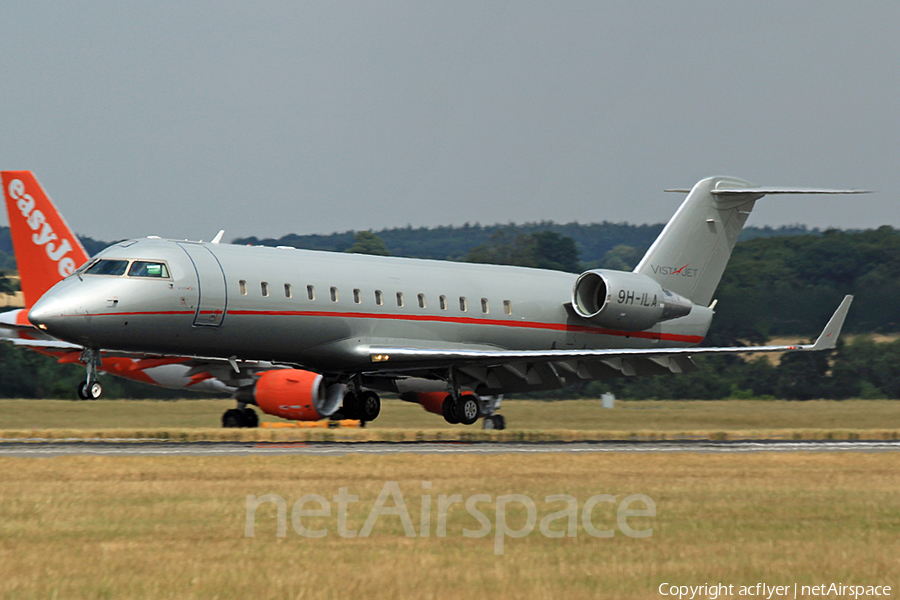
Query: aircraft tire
x,y
351,407
232,418
368,406
250,418
89,392
467,410
495,422
448,410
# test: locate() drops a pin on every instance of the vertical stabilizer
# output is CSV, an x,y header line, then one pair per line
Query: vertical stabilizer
x,y
691,252
46,249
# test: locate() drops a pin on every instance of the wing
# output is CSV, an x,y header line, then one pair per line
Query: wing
x,y
535,369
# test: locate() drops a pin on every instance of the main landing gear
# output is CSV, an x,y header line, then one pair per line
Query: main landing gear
x,y
90,388
361,405
467,408
240,417
494,422
462,409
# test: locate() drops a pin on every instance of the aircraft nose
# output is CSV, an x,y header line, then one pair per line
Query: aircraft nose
x,y
46,313
63,311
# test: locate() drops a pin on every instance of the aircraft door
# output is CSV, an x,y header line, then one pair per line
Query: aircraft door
x,y
211,281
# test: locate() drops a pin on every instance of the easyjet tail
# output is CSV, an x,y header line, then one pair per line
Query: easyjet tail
x,y
46,249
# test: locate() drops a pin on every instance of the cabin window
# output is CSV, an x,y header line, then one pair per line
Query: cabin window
x,y
463,305
422,303
107,267
399,298
507,307
485,306
143,268
334,294
443,302
310,292
243,286
264,288
288,291
357,297
379,298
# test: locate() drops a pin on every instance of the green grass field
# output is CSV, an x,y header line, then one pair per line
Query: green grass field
x,y
574,419
174,527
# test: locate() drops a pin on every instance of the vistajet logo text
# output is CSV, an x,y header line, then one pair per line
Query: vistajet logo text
x,y
680,271
391,504
44,236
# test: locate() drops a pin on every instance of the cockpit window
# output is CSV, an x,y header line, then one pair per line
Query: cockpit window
x,y
108,267
143,268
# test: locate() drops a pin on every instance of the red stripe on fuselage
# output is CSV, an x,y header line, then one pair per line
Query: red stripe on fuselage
x,y
647,335
671,337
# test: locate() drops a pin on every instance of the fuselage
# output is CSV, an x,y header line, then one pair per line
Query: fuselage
x,y
319,309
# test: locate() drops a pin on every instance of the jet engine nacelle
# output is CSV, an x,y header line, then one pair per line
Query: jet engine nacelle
x,y
294,394
627,301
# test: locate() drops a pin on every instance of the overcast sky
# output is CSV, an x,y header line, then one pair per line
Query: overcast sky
x,y
266,118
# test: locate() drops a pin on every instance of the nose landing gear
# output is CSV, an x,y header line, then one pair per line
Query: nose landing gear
x,y
90,388
89,391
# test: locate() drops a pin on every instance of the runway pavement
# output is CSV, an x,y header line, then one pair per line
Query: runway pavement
x,y
50,448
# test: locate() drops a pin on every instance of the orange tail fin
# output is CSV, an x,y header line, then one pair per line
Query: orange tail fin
x,y
46,249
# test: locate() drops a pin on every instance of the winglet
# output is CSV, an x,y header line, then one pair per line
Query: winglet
x,y
829,336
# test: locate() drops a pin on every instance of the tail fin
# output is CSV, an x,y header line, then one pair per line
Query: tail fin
x,y
46,249
691,252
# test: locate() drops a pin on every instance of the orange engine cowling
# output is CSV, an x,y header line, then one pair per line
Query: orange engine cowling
x,y
297,395
434,401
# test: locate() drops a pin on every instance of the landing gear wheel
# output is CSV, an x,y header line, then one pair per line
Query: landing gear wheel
x,y
237,417
89,391
232,418
368,406
351,408
467,409
251,419
448,410
497,422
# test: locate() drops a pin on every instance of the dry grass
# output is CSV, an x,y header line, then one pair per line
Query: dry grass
x,y
527,420
173,527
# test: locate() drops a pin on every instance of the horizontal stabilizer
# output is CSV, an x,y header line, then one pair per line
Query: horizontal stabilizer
x,y
764,191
